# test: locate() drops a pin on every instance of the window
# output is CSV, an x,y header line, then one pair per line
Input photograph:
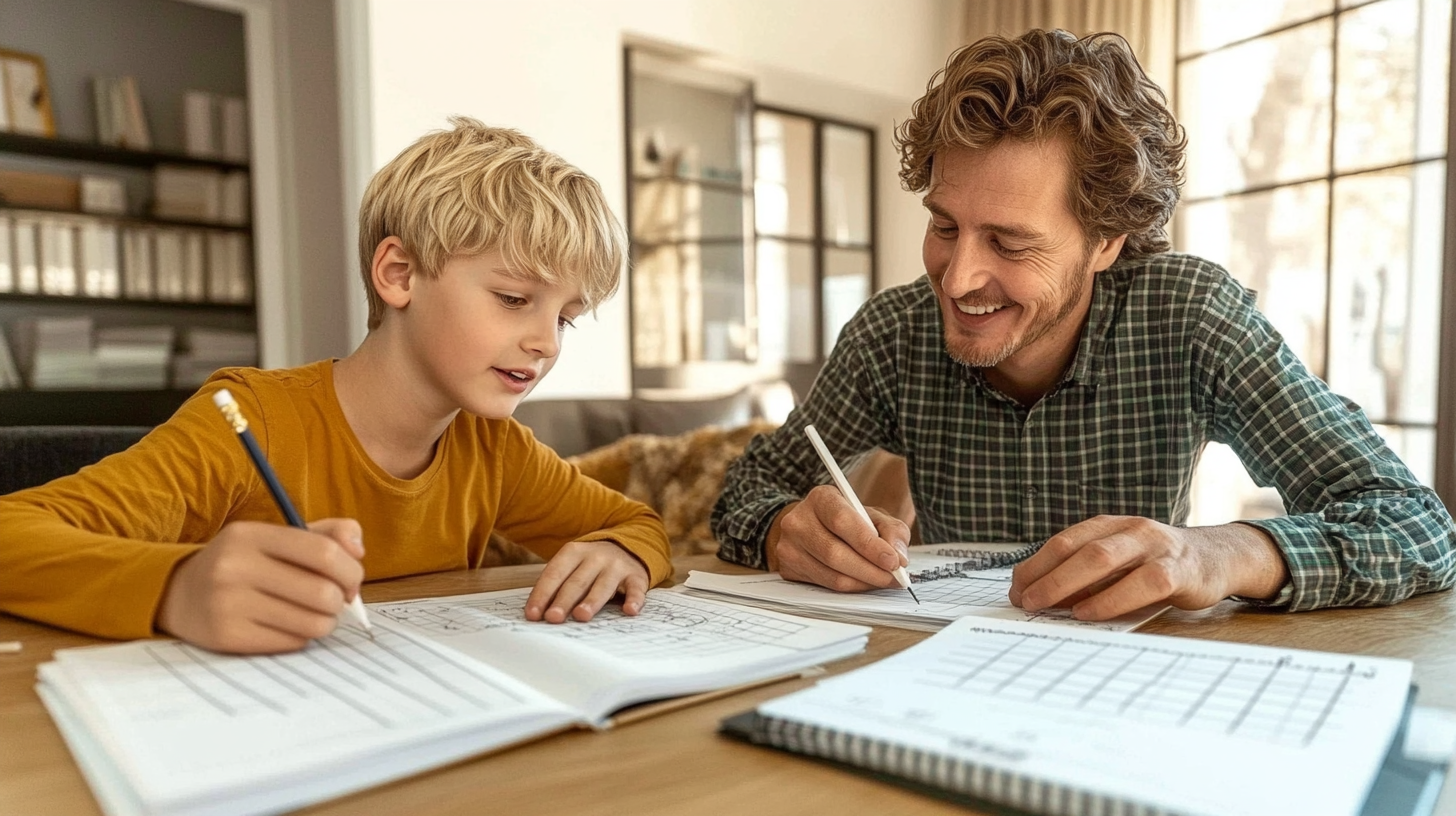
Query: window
x,y
814,224
1316,175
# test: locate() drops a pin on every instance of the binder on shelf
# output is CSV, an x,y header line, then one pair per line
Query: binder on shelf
x,y
233,199
234,129
58,257
137,269
228,279
120,118
194,265
7,254
98,260
27,256
9,374
199,128
168,262
187,193
105,195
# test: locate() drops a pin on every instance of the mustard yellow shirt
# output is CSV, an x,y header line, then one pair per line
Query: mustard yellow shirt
x,y
93,551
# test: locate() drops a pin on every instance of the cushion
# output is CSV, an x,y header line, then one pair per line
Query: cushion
x,y
34,455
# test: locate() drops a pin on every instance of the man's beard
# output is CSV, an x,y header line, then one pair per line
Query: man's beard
x,y
1075,285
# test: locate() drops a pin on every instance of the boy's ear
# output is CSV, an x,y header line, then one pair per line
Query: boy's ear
x,y
392,272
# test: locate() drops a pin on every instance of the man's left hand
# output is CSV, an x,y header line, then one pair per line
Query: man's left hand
x,y
1111,565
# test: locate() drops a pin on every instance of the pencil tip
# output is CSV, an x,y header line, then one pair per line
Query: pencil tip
x,y
913,595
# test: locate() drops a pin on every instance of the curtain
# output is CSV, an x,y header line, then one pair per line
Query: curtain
x,y
1148,25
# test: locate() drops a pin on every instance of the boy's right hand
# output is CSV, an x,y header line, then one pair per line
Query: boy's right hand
x,y
263,588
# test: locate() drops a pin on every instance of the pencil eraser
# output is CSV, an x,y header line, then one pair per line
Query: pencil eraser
x,y
222,398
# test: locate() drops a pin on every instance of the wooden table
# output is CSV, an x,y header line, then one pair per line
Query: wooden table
x,y
676,763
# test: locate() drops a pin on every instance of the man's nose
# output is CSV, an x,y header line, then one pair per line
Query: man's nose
x,y
969,268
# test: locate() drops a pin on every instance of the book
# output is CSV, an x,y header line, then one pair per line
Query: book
x,y
951,581
199,124
161,727
1053,721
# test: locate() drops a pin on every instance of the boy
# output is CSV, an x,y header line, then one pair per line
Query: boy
x,y
478,248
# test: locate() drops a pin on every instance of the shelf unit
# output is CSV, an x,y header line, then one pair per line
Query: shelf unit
x,y
119,406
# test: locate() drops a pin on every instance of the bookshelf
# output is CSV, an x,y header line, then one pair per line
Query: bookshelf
x,y
182,313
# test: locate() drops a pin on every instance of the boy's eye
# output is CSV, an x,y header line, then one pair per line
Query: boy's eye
x,y
511,301
563,323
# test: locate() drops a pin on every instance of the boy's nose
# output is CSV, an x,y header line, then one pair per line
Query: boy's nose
x,y
543,340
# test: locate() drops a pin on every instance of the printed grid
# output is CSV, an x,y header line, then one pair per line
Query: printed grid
x,y
1272,700
663,629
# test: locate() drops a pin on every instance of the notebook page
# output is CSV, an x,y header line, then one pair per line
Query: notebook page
x,y
1189,725
183,727
675,645
942,599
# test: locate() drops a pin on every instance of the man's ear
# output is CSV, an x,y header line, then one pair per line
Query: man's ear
x,y
1106,252
392,272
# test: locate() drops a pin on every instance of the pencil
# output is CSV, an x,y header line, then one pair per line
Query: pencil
x,y
234,415
901,576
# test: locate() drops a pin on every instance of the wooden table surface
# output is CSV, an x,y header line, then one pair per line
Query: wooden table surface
x,y
676,763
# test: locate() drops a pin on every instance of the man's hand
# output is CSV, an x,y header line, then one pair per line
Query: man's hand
x,y
581,578
264,588
1111,565
822,540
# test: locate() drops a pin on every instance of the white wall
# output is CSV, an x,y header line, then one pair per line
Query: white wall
x,y
553,68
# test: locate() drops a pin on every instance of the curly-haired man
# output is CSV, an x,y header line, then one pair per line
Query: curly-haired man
x,y
1055,375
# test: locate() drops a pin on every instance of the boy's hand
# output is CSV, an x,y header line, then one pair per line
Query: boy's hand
x,y
581,578
263,588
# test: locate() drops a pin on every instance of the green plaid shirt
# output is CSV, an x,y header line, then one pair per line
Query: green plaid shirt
x,y
1173,355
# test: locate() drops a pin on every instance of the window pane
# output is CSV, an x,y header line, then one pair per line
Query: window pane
x,y
785,302
1274,243
846,185
1206,24
1258,113
1391,102
720,299
1385,291
784,188
668,209
846,288
1416,447
657,305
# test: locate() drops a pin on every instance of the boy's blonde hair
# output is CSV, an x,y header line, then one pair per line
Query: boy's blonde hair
x,y
473,189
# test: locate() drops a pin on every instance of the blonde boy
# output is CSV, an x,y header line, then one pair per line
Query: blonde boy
x,y
478,249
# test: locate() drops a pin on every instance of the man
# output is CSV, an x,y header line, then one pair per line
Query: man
x,y
1057,372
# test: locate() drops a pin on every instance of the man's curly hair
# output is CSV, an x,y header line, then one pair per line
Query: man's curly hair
x,y
1125,147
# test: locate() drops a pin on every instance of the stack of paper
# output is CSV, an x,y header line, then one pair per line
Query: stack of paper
x,y
949,586
133,356
211,349
60,352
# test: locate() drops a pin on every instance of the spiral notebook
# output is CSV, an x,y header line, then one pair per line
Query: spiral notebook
x,y
1051,721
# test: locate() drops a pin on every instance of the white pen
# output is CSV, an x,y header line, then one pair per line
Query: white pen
x,y
901,576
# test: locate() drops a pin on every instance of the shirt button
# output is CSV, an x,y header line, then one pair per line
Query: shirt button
x,y
1031,491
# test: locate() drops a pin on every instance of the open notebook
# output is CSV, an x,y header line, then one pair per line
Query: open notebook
x,y
1056,721
951,581
160,727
